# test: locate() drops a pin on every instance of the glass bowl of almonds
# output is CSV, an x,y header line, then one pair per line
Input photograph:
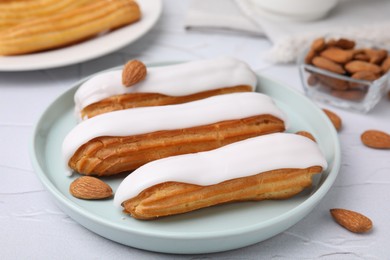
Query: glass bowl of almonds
x,y
344,72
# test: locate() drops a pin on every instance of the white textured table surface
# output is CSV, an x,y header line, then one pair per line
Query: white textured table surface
x,y
33,227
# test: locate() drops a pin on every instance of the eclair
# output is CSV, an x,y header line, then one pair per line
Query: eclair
x,y
126,139
68,27
163,85
275,166
15,12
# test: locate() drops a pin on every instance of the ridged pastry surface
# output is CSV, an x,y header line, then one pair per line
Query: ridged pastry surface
x,y
68,27
172,198
137,121
157,132
237,160
181,79
108,155
133,100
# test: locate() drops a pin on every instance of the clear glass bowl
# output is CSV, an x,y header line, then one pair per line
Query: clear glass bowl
x,y
339,90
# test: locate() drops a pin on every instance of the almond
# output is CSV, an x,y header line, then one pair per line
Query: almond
x,y
312,80
310,56
345,44
386,65
330,43
362,57
133,72
318,44
365,75
306,134
333,83
353,94
362,75
90,188
376,139
337,55
351,220
326,64
335,119
376,56
357,65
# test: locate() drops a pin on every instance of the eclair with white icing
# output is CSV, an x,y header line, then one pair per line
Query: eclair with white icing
x,y
124,140
274,166
163,85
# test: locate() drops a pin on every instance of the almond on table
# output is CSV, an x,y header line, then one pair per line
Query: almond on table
x,y
351,220
90,188
335,119
376,139
306,134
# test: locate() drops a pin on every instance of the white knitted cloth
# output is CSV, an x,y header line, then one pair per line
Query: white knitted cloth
x,y
361,19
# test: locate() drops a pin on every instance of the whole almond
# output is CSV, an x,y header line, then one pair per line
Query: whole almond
x,y
335,119
310,56
312,80
353,94
376,139
90,188
345,44
318,44
351,220
386,65
362,57
376,56
357,65
133,72
358,51
330,43
337,55
333,83
306,134
329,65
365,75
362,75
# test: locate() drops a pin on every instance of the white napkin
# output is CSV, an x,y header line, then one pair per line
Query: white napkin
x,y
220,16
364,19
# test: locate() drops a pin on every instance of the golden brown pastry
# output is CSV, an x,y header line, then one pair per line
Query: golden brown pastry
x,y
139,86
68,27
172,198
273,166
133,100
124,140
14,12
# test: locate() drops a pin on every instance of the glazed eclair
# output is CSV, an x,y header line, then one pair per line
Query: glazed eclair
x,y
124,140
163,85
273,166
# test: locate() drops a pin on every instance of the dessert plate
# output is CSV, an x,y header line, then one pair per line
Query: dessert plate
x,y
207,230
89,49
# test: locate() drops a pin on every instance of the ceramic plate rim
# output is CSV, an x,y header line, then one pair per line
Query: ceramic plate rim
x,y
25,62
314,198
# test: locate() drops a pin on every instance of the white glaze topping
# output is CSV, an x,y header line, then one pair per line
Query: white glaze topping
x,y
150,119
174,80
240,159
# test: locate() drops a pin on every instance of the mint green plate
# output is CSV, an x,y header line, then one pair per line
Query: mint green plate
x,y
208,230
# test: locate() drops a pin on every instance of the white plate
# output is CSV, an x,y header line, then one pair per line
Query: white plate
x,y
207,230
90,49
